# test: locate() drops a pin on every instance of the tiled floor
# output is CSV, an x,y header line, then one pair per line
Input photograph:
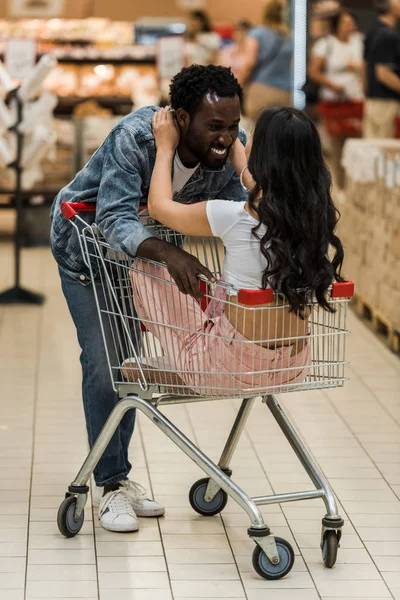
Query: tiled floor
x,y
353,432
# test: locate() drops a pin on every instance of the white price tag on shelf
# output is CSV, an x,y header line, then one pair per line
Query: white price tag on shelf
x,y
170,55
20,57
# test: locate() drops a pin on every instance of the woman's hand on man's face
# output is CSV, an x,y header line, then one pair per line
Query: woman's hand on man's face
x,y
166,131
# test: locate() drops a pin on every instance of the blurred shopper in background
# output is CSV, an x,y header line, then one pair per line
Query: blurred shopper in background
x,y
203,43
234,55
268,62
382,65
337,67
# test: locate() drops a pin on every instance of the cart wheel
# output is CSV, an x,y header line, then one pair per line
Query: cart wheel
x,y
66,518
199,504
263,566
329,548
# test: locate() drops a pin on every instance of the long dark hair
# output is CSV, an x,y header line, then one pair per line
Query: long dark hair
x,y
296,207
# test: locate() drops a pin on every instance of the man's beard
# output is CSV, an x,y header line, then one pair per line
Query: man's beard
x,y
203,153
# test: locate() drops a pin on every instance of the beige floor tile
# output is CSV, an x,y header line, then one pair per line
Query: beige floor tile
x,y
133,580
379,534
127,564
59,589
11,581
295,580
12,549
387,563
208,572
50,528
284,594
195,541
136,594
353,589
201,527
145,534
204,589
129,549
344,572
383,548
205,556
58,542
62,557
16,594
13,535
61,572
393,580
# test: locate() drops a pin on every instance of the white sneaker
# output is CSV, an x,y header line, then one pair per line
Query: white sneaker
x,y
116,512
141,504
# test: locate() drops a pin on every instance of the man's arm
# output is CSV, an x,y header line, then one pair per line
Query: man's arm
x,y
387,77
117,213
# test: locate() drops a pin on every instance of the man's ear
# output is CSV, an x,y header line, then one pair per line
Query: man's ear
x,y
183,120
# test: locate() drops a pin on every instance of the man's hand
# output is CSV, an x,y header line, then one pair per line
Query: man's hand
x,y
182,266
185,269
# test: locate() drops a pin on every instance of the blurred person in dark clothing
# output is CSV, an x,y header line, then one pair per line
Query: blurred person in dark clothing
x,y
382,72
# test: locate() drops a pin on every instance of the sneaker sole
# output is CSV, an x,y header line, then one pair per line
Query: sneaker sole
x,y
149,514
155,513
119,529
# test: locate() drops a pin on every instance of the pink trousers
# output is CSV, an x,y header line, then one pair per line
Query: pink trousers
x,y
208,353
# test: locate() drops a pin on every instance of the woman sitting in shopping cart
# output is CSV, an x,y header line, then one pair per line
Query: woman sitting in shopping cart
x,y
283,238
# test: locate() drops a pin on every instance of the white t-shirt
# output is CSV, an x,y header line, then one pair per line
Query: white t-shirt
x,y
244,264
181,174
337,56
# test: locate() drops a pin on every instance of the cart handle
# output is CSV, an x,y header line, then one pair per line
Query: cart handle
x,y
343,289
70,209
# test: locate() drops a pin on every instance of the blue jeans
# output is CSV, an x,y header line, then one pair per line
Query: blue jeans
x,y
98,395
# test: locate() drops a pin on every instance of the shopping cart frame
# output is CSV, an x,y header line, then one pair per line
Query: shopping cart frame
x,y
273,557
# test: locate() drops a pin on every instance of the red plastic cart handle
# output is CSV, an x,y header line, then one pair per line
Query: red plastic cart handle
x,y
344,289
70,209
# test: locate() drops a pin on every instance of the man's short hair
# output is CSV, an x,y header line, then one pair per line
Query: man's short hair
x,y
191,84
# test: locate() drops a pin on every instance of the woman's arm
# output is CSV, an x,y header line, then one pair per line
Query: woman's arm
x,y
189,219
250,56
239,161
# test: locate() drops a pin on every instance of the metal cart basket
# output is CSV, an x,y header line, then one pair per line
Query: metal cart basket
x,y
230,344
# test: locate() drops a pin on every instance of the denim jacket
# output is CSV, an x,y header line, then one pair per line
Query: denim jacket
x,y
117,179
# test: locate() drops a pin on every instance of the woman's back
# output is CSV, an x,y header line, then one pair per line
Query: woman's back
x,y
243,267
274,62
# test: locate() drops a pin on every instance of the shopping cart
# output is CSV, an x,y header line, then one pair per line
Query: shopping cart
x,y
146,378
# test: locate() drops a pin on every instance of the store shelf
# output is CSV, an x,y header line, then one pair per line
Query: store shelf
x,y
120,105
123,61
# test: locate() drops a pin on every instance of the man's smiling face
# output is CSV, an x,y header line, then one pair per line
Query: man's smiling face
x,y
209,134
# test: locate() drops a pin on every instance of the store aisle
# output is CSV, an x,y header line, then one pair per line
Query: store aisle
x,y
353,432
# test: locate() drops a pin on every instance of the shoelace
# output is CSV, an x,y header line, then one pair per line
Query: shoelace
x,y
134,487
118,501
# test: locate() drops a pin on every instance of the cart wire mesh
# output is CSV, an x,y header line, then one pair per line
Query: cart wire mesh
x,y
230,343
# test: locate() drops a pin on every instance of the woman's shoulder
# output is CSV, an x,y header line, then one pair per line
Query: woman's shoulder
x,y
322,45
232,206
